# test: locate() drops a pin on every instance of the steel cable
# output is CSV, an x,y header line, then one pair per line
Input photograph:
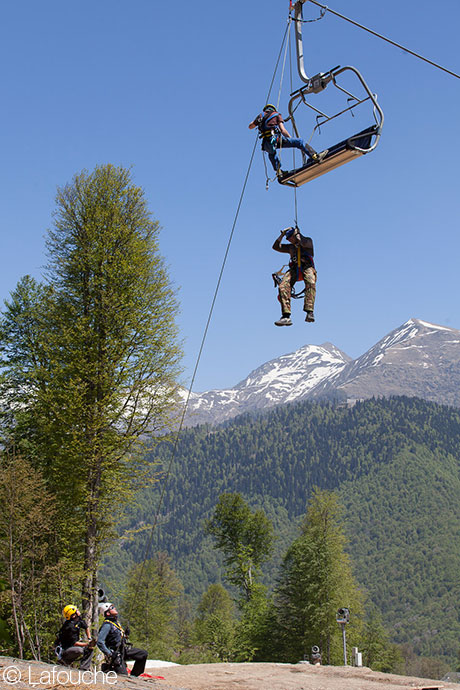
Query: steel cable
x,y
384,38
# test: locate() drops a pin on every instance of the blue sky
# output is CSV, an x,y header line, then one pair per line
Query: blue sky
x,y
169,89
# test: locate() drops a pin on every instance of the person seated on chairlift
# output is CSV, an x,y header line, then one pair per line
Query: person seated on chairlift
x,y
274,136
301,266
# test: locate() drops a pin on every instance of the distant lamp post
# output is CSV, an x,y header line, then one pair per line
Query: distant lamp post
x,y
343,617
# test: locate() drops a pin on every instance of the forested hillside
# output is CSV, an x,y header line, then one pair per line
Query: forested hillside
x,y
396,466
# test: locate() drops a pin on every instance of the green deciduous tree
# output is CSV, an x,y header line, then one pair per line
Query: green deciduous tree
x,y
152,609
90,358
215,622
378,652
316,581
244,537
30,567
254,636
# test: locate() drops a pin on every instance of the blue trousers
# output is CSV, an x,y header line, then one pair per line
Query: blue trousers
x,y
282,142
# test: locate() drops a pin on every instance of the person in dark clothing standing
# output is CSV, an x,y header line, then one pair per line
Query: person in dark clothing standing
x,y
274,136
69,639
301,266
112,642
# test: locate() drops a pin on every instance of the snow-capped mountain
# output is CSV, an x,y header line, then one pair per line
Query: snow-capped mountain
x,y
284,379
417,359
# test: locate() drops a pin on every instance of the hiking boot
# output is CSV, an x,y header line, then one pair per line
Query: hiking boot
x,y
310,317
284,321
319,157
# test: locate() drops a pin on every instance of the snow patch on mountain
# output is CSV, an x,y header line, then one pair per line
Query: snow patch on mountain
x,y
432,325
417,359
285,379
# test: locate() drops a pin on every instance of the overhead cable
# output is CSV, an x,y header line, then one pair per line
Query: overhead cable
x,y
384,38
293,150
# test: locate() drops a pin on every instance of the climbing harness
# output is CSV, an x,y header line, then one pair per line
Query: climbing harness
x,y
117,625
279,275
265,131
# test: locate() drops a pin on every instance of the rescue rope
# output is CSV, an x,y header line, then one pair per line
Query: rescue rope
x,y
286,33
268,179
278,60
189,393
316,19
288,44
293,150
384,38
198,359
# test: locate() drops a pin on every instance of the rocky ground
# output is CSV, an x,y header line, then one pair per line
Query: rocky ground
x,y
21,675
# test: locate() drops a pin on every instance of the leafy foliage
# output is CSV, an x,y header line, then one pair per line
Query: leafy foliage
x,y
90,359
255,632
30,566
395,464
244,537
215,623
378,652
316,581
151,605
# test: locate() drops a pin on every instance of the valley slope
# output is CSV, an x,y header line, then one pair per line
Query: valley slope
x,y
396,466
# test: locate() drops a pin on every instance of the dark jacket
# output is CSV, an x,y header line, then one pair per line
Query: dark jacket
x,y
110,636
70,632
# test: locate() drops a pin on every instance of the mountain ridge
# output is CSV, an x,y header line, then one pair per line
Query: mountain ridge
x,y
418,359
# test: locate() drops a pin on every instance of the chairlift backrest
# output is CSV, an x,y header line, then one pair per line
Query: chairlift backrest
x,y
318,83
355,145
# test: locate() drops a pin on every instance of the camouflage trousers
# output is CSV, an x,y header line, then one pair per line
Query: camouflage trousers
x,y
289,279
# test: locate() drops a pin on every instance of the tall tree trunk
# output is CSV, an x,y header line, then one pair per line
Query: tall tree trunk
x,y
90,564
13,597
91,559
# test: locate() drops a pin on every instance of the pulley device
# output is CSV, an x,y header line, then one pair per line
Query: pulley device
x,y
353,146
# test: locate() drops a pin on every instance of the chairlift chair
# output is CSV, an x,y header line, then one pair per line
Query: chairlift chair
x,y
355,145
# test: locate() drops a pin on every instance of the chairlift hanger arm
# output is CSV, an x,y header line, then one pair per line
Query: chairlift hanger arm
x,y
298,40
319,82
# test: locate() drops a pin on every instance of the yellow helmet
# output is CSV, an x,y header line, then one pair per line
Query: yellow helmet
x,y
68,611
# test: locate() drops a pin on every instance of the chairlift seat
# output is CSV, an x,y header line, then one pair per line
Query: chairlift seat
x,y
341,153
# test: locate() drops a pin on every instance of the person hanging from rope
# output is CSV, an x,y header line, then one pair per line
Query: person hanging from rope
x,y
274,136
112,641
69,647
301,266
